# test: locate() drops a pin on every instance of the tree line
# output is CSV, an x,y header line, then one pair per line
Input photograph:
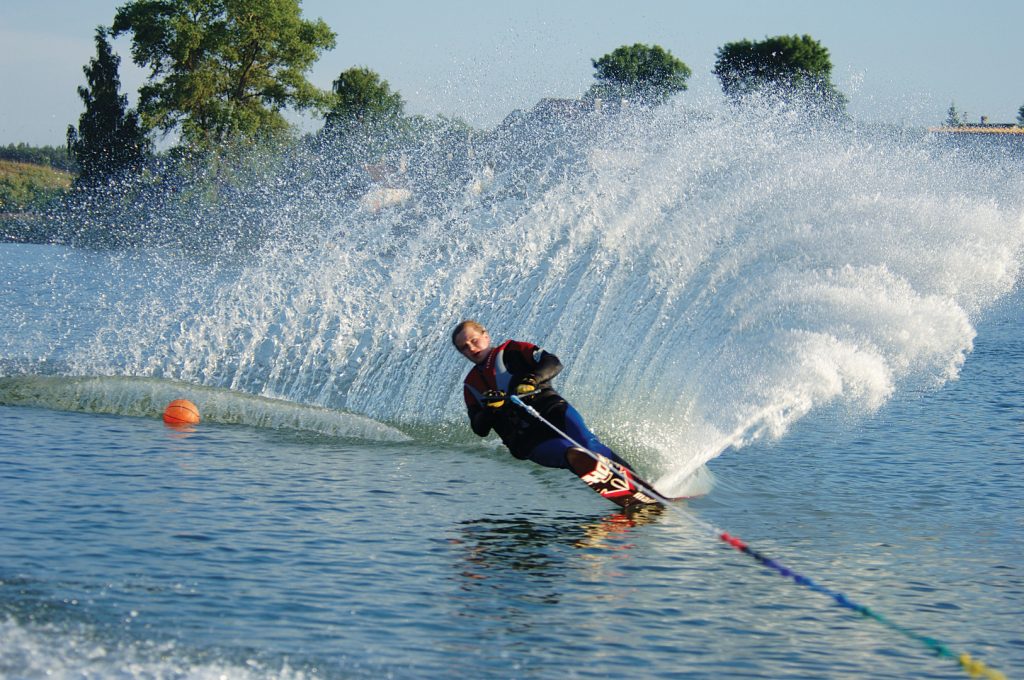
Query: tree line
x,y
56,157
222,72
957,118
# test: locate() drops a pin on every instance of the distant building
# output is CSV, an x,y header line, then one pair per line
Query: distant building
x,y
552,108
559,110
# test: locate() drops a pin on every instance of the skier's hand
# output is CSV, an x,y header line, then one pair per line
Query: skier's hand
x,y
494,399
527,385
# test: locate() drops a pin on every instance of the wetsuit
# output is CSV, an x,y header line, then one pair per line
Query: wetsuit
x,y
506,367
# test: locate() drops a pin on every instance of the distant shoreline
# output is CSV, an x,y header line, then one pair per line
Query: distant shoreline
x,y
980,129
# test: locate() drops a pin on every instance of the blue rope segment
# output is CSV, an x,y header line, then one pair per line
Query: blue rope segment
x,y
974,667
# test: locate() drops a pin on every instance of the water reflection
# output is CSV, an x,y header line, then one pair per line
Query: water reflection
x,y
180,430
498,547
610,532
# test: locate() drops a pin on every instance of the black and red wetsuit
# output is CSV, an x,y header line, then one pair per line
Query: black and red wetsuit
x,y
506,367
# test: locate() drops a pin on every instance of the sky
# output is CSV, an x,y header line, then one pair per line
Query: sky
x,y
896,60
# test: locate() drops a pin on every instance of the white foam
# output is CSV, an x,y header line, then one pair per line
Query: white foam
x,y
148,397
47,651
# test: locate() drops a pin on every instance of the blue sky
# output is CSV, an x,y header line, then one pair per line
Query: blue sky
x,y
895,60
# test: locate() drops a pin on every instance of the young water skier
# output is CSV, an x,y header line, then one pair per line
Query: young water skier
x,y
525,370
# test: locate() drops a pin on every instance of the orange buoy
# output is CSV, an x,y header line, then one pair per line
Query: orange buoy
x,y
181,412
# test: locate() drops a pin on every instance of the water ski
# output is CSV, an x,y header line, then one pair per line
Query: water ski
x,y
615,482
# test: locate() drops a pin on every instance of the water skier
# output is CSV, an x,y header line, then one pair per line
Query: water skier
x,y
525,370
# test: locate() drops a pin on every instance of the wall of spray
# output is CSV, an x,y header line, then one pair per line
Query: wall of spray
x,y
707,280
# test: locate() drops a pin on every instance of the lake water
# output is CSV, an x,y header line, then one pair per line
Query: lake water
x,y
829,325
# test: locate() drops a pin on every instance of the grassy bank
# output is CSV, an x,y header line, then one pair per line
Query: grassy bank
x,y
26,188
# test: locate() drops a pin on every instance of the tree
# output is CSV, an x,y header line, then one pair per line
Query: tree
x,y
954,117
786,66
109,137
223,69
1020,116
361,96
645,74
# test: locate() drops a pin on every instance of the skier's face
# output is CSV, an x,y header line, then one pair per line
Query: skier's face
x,y
474,344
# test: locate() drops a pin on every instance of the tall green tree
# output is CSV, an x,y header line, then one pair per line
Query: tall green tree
x,y
109,138
221,70
361,96
784,65
954,116
645,74
1020,116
